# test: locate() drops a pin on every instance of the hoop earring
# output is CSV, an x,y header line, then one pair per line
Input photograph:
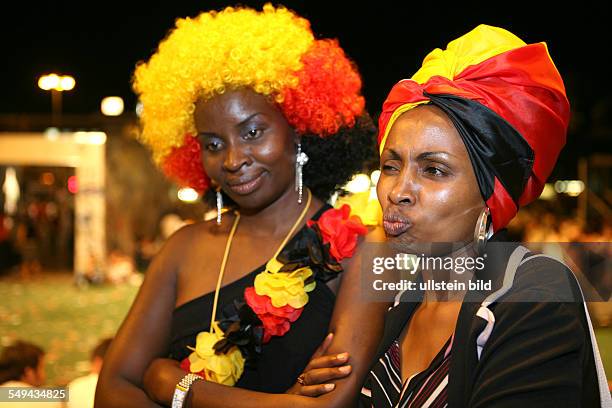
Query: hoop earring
x,y
480,233
301,159
219,206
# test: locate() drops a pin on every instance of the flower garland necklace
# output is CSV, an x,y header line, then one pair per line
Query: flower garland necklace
x,y
278,296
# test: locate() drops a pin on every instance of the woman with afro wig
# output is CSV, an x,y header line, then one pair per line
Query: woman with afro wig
x,y
268,122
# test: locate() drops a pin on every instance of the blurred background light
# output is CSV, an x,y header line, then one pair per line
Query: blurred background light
x,y
95,138
374,176
56,82
112,106
139,108
67,83
73,184
11,191
358,184
572,188
188,195
47,178
548,193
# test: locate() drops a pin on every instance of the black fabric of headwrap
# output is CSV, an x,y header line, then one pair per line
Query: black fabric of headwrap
x,y
495,148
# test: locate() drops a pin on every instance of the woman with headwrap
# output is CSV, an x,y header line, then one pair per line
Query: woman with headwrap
x,y
248,107
465,142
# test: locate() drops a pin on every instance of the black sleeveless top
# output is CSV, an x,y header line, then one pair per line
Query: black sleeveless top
x,y
284,358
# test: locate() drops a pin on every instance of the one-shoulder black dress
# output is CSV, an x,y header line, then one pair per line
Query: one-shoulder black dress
x,y
284,358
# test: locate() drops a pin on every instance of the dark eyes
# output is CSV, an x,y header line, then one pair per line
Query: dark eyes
x,y
428,170
214,144
435,171
388,168
253,133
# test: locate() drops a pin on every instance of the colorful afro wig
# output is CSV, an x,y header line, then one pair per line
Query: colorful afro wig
x,y
272,51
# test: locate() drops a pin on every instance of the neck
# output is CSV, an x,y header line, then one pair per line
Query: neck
x,y
278,216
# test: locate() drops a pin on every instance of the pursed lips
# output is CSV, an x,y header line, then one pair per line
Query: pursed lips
x,y
396,224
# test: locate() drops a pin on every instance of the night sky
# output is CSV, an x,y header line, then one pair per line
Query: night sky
x,y
99,43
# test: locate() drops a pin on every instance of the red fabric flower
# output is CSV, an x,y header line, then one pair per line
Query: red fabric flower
x,y
340,229
276,320
186,366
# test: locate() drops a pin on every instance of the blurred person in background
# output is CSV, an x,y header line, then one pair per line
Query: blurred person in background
x,y
22,364
83,389
28,247
8,256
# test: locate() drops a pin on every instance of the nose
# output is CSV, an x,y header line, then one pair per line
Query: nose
x,y
404,190
235,158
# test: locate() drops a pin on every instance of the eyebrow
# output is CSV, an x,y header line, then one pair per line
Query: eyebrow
x,y
394,155
238,125
245,121
427,155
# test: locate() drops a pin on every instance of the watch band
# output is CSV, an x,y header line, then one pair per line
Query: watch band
x,y
182,388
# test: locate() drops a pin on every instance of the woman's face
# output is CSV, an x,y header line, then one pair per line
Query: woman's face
x,y
248,148
427,188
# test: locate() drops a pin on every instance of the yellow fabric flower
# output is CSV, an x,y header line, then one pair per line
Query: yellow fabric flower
x,y
225,368
284,288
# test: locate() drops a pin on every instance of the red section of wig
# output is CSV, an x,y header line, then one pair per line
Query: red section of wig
x,y
327,96
184,165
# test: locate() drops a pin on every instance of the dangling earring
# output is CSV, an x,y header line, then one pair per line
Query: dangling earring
x,y
219,206
480,233
300,160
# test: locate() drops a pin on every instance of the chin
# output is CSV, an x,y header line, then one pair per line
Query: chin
x,y
255,201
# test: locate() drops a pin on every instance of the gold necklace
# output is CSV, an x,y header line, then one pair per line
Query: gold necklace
x,y
229,244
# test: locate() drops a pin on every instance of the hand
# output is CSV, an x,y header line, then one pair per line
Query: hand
x,y
321,369
160,379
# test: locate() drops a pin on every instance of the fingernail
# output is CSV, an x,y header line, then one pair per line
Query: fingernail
x,y
345,369
342,356
329,336
329,387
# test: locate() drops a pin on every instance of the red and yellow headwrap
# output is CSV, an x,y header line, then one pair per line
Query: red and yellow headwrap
x,y
272,51
508,103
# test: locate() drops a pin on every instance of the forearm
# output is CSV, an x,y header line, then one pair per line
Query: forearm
x,y
120,393
206,394
360,339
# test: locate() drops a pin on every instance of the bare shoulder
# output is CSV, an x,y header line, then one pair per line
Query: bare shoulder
x,y
191,237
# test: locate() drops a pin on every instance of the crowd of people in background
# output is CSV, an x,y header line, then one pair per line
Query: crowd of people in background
x,y
22,364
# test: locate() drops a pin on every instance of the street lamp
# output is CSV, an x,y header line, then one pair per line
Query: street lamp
x,y
56,84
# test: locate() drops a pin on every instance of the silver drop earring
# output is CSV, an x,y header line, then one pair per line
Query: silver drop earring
x,y
300,160
480,233
219,206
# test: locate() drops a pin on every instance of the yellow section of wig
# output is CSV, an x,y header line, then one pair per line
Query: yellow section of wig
x,y
206,55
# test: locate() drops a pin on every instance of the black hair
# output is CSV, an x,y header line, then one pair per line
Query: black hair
x,y
101,349
332,160
16,358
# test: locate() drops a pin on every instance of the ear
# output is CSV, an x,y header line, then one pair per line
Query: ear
x,y
28,376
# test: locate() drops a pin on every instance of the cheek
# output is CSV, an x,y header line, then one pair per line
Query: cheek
x,y
383,187
277,153
452,209
212,164
440,202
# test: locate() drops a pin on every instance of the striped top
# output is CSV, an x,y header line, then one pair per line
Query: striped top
x,y
383,386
